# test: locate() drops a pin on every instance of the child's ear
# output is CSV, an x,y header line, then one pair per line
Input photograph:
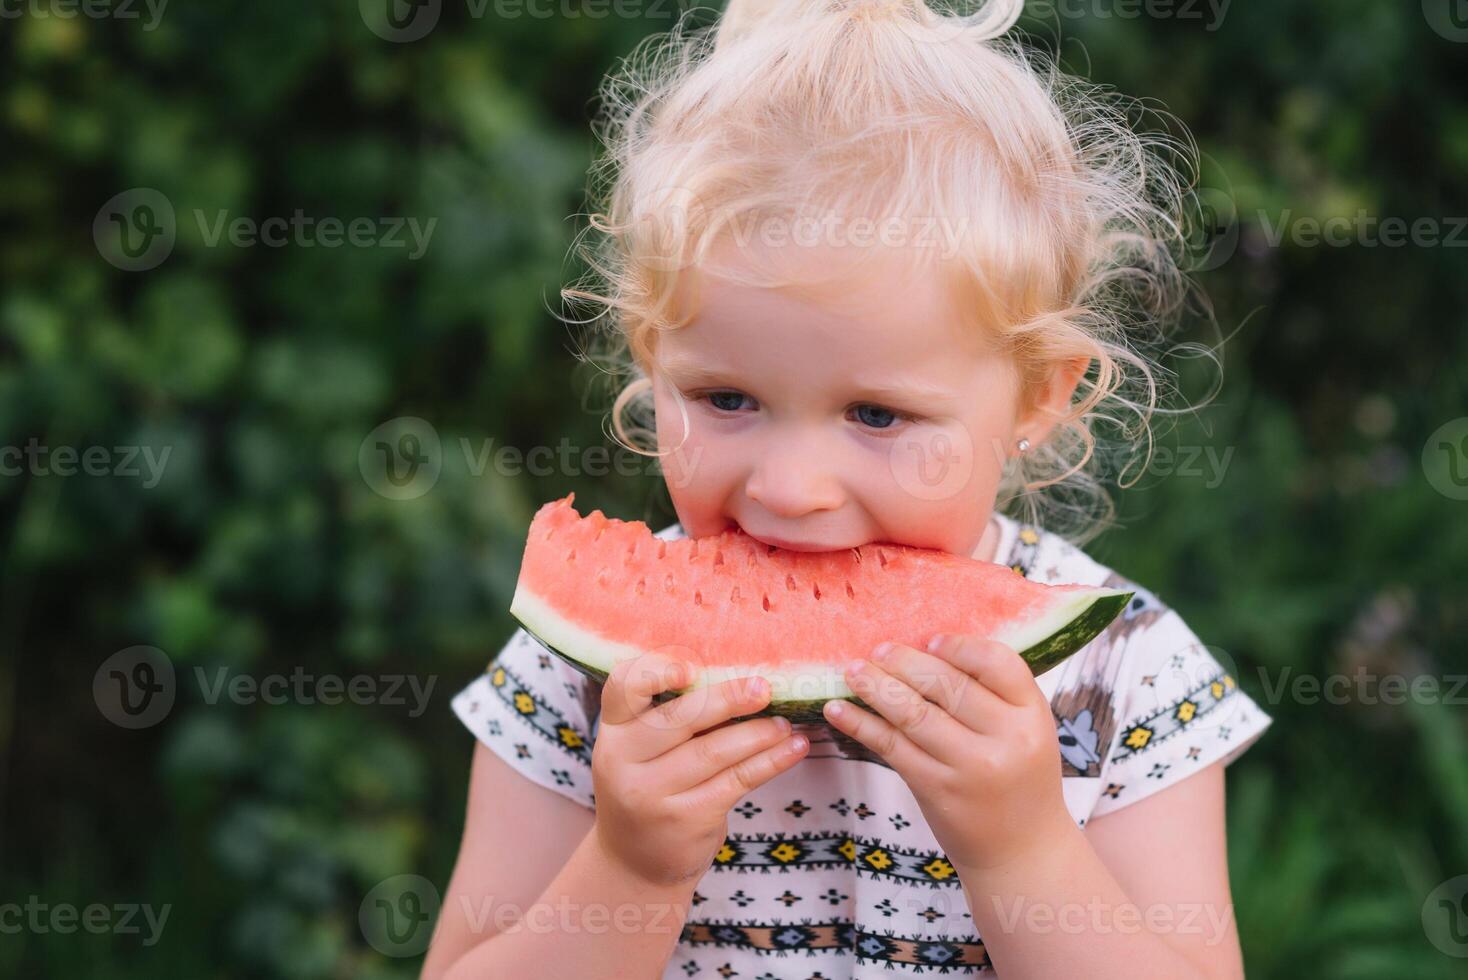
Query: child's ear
x,y
1052,402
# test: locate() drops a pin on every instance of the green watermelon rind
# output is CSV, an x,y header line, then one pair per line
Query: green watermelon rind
x,y
1041,643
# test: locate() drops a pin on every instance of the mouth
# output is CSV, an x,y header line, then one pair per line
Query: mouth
x,y
790,545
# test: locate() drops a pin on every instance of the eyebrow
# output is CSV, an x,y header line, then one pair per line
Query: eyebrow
x,y
687,372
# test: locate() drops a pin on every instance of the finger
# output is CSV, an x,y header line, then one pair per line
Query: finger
x,y
632,683
678,720
945,684
704,757
727,788
994,665
876,733
926,725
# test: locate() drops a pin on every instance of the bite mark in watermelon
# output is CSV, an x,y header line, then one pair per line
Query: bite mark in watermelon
x,y
597,590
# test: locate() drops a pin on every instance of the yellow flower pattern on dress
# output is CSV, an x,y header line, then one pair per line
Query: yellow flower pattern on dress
x,y
1186,711
878,859
939,869
785,852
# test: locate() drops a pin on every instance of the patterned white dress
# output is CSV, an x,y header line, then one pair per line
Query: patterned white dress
x,y
829,871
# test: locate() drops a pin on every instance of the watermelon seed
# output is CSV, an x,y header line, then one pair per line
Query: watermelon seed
x,y
718,558
662,548
770,549
856,553
641,585
597,537
790,583
882,557
693,552
571,555
697,598
734,596
849,594
816,589
601,578
766,603
668,584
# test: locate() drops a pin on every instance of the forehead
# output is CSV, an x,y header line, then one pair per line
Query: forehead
x,y
822,312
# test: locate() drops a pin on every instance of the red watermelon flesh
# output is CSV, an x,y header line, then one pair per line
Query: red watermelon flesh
x,y
597,590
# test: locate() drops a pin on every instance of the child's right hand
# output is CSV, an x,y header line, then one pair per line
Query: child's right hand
x,y
663,790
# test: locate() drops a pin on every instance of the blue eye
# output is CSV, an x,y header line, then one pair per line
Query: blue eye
x,y
726,401
875,416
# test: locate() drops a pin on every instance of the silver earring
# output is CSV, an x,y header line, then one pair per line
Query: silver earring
x,y
1023,445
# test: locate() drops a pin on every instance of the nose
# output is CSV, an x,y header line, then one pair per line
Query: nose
x,y
794,479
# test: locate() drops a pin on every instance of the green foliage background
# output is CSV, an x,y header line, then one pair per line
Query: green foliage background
x,y
262,549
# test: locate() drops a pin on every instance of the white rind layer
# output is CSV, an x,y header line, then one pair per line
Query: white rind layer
x,y
789,680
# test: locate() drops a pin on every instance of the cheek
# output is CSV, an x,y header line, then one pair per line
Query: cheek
x,y
700,467
940,485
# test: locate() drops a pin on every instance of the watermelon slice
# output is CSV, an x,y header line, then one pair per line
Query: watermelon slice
x,y
596,590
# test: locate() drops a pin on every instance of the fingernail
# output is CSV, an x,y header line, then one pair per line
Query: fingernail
x,y
836,708
782,723
855,666
935,643
882,652
797,745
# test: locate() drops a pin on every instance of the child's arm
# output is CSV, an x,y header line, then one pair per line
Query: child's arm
x,y
546,888
527,846
1142,891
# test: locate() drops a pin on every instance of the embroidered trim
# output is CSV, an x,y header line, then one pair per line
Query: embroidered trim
x,y
944,956
833,849
522,701
1176,717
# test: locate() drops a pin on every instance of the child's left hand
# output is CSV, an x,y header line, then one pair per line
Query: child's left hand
x,y
971,733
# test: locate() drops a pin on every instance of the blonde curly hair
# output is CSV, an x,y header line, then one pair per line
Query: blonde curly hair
x,y
1073,241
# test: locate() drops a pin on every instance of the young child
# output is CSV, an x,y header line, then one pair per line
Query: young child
x,y
880,279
